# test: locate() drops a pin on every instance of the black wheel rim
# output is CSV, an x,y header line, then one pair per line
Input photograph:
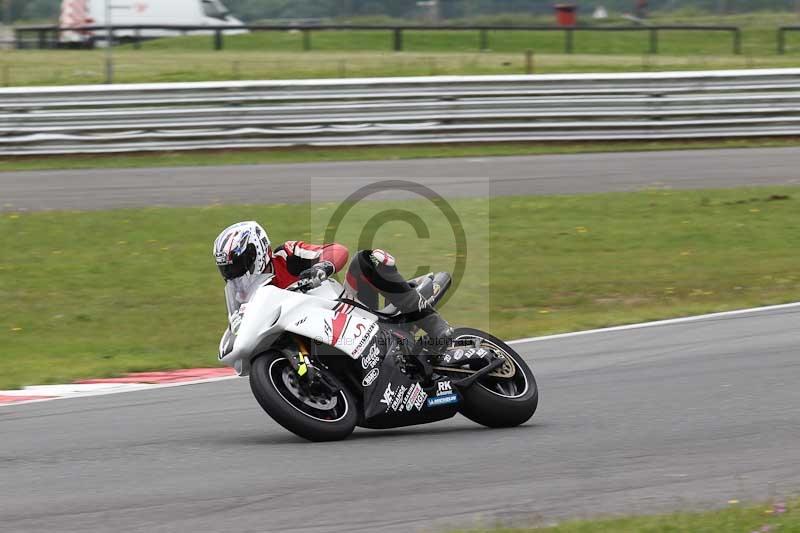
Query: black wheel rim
x,y
319,405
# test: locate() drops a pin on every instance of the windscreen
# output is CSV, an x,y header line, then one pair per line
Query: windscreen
x,y
239,291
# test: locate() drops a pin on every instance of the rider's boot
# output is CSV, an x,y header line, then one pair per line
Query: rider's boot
x,y
397,291
440,333
412,303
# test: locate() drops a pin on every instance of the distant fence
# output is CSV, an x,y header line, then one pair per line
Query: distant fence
x,y
782,31
391,111
47,36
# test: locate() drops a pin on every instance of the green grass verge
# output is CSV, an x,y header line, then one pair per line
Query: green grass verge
x,y
365,153
765,518
100,293
68,67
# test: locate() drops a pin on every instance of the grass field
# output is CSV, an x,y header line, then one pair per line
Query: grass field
x,y
278,55
366,153
100,293
774,517
65,67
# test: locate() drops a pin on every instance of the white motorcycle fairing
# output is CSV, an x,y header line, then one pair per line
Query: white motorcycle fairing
x,y
315,315
320,365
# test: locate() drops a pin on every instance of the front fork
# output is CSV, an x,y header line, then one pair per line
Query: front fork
x,y
300,359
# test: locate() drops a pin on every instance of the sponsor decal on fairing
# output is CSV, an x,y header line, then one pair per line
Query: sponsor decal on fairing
x,y
420,401
444,387
416,398
372,358
370,378
398,400
351,333
365,338
438,401
387,395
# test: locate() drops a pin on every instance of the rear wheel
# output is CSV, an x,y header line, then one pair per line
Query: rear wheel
x,y
315,413
508,396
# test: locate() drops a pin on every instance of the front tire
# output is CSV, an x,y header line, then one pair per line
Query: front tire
x,y
317,418
497,402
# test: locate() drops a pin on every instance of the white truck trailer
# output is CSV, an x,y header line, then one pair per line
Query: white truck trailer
x,y
75,13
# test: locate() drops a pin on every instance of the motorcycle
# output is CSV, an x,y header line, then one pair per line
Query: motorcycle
x,y
320,364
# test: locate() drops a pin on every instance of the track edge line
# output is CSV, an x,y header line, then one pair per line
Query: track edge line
x,y
613,329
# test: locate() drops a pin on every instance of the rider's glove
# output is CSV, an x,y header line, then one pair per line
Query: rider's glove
x,y
319,272
235,320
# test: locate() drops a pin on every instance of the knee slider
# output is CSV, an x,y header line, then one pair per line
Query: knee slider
x,y
381,257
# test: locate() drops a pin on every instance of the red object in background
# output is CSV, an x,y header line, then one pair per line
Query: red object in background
x,y
640,9
566,14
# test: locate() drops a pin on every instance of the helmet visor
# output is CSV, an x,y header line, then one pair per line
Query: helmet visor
x,y
240,264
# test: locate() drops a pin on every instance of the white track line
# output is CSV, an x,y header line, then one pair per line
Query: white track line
x,y
121,388
682,320
134,387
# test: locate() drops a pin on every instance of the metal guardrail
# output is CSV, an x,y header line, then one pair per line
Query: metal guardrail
x,y
380,111
48,36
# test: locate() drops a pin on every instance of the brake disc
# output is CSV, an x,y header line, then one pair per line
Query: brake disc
x,y
316,401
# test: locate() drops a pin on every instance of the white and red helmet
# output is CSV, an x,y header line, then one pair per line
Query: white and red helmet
x,y
241,249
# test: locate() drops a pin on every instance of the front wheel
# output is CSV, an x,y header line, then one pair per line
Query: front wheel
x,y
508,396
317,414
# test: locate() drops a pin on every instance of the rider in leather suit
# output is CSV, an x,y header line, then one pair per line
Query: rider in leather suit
x,y
245,259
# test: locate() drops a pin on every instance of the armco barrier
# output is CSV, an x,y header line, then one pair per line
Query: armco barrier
x,y
379,111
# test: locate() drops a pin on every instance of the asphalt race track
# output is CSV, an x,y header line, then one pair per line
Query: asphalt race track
x,y
689,414
643,420
502,176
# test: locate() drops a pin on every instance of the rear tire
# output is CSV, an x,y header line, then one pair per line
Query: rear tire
x,y
490,408
318,420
